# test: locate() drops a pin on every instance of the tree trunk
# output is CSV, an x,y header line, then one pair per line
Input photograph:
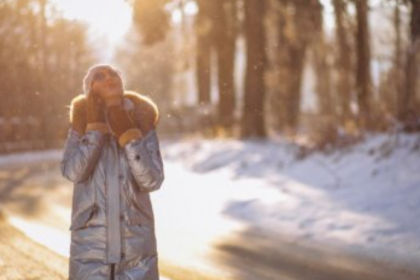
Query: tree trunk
x,y
363,64
45,97
408,99
343,62
323,78
296,62
203,53
321,51
203,71
293,42
253,121
392,87
226,38
398,61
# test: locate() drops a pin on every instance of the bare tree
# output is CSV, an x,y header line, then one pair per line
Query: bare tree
x,y
298,24
343,66
408,102
253,121
322,62
215,36
226,28
363,76
43,61
204,32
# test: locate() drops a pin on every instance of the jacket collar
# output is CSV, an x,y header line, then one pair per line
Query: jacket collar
x,y
141,108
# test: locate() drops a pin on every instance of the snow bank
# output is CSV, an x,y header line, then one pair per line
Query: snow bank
x,y
365,198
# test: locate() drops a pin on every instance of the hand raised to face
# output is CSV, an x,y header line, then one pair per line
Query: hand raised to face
x,y
95,108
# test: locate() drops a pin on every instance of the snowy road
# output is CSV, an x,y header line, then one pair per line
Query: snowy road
x,y
197,237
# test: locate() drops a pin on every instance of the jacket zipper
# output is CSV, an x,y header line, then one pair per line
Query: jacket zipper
x,y
120,161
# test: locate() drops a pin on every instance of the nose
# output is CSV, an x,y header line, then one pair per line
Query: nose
x,y
109,77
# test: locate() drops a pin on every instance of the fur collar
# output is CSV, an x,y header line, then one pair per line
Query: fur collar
x,y
141,108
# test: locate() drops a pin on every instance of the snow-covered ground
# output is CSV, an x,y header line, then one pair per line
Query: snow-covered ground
x,y
365,198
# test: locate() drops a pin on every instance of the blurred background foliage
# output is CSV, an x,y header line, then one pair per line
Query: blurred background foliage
x,y
328,70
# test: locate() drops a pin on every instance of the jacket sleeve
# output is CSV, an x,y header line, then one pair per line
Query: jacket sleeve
x,y
81,154
145,162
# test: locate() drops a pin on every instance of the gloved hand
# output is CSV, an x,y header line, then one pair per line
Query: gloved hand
x,y
78,115
95,108
95,113
122,126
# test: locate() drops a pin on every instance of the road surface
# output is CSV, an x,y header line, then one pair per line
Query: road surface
x,y
36,200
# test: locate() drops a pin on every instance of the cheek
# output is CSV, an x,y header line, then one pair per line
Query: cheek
x,y
96,87
120,83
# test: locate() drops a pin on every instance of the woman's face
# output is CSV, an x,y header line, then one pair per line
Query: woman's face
x,y
107,83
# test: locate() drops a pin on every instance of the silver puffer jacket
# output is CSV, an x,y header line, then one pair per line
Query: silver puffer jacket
x,y
112,222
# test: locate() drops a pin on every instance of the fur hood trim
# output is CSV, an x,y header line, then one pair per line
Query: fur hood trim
x,y
141,108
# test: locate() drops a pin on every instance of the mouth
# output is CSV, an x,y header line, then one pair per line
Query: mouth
x,y
112,85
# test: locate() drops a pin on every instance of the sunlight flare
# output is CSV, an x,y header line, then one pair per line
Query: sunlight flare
x,y
109,17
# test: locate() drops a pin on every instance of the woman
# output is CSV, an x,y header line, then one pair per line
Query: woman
x,y
112,156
